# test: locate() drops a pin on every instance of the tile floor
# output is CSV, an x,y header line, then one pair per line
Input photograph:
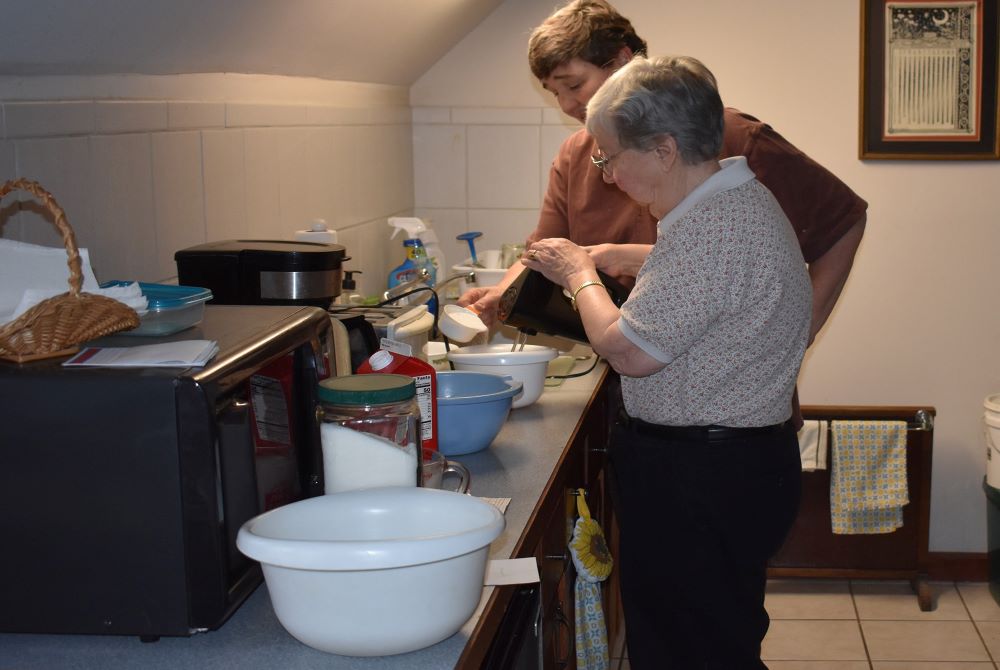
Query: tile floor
x,y
865,625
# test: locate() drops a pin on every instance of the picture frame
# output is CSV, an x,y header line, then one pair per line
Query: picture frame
x,y
929,80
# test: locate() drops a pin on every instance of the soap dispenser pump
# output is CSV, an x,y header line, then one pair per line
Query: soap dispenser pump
x,y
347,287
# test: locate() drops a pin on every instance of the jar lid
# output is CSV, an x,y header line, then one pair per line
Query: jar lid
x,y
374,389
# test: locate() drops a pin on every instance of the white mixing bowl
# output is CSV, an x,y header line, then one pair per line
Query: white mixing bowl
x,y
527,365
374,572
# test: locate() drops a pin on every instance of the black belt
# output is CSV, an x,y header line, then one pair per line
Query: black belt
x,y
697,433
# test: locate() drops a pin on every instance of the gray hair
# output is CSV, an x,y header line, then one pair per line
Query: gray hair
x,y
648,99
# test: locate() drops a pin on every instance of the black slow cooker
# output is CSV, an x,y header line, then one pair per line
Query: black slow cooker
x,y
264,272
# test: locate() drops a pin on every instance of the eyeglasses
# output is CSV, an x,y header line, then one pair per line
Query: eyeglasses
x,y
603,162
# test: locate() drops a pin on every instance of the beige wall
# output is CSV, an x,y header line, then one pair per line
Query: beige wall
x,y
147,165
919,321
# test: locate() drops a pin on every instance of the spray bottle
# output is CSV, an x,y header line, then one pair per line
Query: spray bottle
x,y
423,232
416,255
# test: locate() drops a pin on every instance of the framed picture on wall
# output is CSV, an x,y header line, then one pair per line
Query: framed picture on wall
x,y
929,79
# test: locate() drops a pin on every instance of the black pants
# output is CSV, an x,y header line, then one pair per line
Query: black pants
x,y
699,520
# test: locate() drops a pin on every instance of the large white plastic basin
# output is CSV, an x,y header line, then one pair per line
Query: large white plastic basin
x,y
374,572
527,365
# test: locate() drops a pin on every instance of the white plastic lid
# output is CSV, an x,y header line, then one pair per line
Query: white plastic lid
x,y
380,360
992,402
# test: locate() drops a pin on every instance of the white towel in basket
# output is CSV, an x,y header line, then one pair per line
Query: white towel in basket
x,y
31,273
813,445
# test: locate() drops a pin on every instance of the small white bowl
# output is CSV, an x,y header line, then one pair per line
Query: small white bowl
x,y
527,365
374,572
460,324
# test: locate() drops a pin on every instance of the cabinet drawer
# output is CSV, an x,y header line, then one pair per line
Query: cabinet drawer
x,y
558,635
553,549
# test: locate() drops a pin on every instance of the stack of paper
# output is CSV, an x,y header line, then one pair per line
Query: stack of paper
x,y
183,354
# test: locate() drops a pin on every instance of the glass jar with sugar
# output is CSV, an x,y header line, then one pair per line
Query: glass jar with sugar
x,y
368,431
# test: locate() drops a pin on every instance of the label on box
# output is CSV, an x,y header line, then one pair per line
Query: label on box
x,y
501,572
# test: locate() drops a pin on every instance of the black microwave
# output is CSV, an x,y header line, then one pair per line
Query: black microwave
x,y
122,490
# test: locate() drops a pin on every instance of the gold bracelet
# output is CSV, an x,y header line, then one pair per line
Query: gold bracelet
x,y
592,282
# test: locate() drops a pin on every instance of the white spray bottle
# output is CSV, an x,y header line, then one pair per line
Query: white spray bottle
x,y
421,230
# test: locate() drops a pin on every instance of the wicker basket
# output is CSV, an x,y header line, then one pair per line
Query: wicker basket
x,y
54,327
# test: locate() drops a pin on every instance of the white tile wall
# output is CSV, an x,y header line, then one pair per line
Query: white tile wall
x,y
298,163
503,166
439,165
448,223
62,166
263,207
256,114
124,244
485,169
9,222
501,225
552,136
376,255
385,172
317,115
225,185
178,196
45,119
127,116
431,115
483,116
140,179
185,115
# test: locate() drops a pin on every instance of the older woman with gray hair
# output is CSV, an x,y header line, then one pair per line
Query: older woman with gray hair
x,y
705,463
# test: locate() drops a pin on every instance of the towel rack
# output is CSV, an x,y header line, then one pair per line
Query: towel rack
x,y
923,420
812,550
917,418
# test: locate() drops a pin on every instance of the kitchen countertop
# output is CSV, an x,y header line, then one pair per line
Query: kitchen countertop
x,y
517,466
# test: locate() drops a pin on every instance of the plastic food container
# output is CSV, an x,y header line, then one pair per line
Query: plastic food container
x,y
171,308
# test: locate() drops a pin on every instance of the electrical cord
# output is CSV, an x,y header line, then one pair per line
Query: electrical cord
x,y
577,374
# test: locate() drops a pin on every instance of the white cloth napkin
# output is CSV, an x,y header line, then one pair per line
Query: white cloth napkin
x,y
813,445
30,273
130,294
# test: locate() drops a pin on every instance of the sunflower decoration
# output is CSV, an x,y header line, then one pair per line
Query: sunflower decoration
x,y
589,550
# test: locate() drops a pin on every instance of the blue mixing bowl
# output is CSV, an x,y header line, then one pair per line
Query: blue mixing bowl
x,y
472,407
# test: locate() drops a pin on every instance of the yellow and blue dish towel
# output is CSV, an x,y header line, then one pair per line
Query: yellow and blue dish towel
x,y
593,565
868,476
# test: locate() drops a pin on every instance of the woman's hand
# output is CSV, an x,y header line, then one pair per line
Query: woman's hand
x,y
561,261
484,301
